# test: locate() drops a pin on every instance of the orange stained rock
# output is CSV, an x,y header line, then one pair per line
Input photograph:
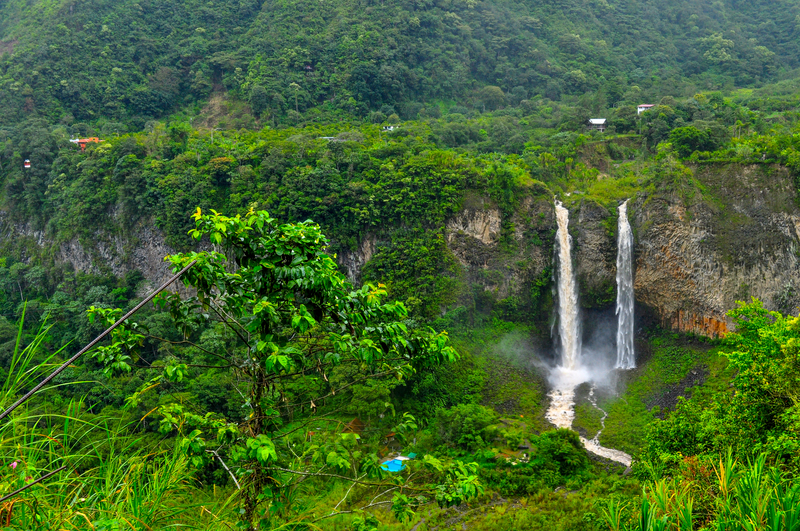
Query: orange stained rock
x,y
698,324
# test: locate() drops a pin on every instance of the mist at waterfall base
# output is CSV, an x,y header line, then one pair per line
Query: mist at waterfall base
x,y
581,359
586,347
597,359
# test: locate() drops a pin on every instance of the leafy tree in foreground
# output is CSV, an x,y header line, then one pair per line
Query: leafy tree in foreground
x,y
760,415
303,337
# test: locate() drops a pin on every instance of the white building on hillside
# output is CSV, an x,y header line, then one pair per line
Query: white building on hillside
x,y
598,124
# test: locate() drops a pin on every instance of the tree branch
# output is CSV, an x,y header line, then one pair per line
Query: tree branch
x,y
228,470
227,320
191,344
224,319
350,512
346,494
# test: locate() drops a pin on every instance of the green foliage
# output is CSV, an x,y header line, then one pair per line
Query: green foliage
x,y
114,476
671,365
254,378
418,269
466,427
732,498
302,332
555,458
759,417
141,61
115,357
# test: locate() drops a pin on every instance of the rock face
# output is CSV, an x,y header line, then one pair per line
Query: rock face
x,y
737,236
695,257
502,265
353,261
144,251
595,254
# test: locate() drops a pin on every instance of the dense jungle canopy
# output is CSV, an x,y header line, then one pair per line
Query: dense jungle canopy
x,y
366,189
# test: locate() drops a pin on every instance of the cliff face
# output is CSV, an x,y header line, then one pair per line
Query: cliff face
x,y
595,254
503,264
498,259
143,249
737,236
738,239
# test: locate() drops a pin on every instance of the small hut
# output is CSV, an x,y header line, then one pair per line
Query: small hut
x,y
598,124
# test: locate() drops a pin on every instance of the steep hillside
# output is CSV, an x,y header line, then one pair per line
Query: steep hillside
x,y
120,64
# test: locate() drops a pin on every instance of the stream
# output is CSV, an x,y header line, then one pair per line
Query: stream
x,y
561,412
565,378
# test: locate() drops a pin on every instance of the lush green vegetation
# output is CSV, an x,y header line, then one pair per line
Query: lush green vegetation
x,y
122,64
266,395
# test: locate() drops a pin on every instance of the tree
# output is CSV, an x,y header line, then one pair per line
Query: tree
x,y
303,338
719,51
258,99
492,97
687,140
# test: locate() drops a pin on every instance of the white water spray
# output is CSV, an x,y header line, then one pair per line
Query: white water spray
x,y
626,358
570,373
569,327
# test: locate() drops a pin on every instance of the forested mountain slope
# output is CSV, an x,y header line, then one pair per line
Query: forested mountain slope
x,y
428,143
125,62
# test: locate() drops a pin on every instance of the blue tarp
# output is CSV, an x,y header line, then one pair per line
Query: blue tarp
x,y
395,465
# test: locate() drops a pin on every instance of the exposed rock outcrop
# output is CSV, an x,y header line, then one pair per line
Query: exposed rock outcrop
x,y
595,254
503,264
353,261
143,250
737,236
697,256
482,224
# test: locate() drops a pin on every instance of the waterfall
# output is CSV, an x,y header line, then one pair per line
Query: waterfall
x,y
626,358
569,329
571,373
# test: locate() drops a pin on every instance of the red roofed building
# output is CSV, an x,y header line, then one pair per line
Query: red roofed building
x,y
83,141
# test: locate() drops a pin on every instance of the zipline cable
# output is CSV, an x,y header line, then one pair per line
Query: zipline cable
x,y
88,347
31,484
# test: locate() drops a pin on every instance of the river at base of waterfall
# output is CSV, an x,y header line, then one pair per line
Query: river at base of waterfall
x,y
561,412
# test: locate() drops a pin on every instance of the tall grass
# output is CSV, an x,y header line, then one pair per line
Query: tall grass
x,y
116,478
748,497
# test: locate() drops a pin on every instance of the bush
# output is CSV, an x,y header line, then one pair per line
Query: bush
x,y
466,427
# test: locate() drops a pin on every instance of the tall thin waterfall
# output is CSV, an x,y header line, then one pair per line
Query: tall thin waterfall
x,y
569,327
571,373
625,354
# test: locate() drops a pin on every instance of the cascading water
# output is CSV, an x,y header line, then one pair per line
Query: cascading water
x,y
570,373
568,317
626,358
593,445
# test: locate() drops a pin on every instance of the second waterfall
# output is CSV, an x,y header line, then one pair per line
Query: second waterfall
x,y
626,358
